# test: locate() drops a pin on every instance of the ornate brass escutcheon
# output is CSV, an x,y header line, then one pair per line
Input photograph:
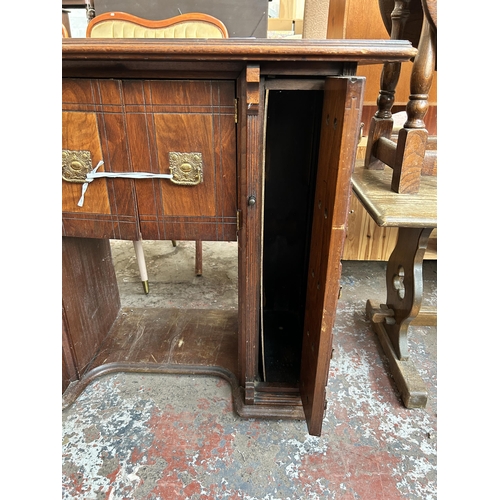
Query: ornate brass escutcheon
x,y
76,165
186,168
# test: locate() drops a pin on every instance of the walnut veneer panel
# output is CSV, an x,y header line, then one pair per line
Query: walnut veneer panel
x,y
87,139
94,120
133,126
187,117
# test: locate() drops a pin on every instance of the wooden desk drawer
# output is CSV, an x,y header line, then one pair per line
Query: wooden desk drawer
x,y
159,127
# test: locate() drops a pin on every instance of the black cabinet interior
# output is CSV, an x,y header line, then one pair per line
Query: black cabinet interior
x,y
292,141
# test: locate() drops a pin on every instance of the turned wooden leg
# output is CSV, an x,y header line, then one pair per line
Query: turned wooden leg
x,y
199,258
141,262
390,321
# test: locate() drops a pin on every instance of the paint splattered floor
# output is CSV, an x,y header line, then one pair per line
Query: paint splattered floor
x,y
149,437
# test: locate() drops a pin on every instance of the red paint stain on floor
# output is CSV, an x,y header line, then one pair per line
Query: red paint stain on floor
x,y
189,442
363,473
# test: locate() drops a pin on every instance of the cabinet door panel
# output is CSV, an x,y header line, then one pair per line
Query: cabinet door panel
x,y
340,127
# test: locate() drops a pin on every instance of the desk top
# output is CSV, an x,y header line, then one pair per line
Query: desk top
x,y
390,209
237,49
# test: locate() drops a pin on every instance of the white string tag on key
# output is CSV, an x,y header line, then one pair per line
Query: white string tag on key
x,y
86,184
117,175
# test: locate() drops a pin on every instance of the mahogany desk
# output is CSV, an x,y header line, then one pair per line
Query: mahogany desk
x,y
262,136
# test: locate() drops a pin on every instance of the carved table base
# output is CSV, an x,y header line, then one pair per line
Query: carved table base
x,y
404,298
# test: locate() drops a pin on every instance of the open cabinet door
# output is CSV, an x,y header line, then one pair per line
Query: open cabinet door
x,y
339,131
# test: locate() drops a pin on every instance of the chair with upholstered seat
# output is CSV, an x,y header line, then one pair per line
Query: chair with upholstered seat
x,y
123,25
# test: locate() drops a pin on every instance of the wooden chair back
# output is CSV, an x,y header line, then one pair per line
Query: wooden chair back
x,y
124,25
65,33
412,152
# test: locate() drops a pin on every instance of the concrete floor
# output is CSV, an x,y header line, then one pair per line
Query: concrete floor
x,y
148,437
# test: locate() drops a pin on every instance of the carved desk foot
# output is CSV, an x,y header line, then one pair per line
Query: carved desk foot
x,y
391,320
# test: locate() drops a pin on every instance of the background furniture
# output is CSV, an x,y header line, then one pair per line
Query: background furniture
x,y
368,19
87,5
124,25
286,18
398,187
230,108
242,18
66,29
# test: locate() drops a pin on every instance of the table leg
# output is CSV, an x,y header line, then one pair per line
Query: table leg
x,y
390,321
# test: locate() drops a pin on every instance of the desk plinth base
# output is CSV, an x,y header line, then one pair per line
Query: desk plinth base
x,y
193,342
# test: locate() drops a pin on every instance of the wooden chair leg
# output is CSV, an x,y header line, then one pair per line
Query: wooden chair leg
x,y
141,261
199,258
391,320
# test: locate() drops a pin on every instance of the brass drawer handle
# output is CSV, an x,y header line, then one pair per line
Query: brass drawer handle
x,y
76,165
186,168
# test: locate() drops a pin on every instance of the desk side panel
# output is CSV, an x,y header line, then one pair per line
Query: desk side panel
x,y
90,300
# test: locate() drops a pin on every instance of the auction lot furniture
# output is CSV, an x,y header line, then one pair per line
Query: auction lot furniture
x,y
251,141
